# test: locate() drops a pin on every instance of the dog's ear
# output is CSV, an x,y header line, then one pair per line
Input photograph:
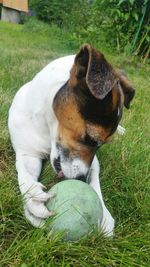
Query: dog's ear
x,y
92,66
126,86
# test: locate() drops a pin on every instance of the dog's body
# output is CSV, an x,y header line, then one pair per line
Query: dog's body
x,y
70,108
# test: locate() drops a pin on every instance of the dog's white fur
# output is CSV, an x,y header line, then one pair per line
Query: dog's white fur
x,y
33,128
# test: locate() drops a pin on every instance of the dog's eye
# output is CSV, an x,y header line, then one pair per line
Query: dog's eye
x,y
89,141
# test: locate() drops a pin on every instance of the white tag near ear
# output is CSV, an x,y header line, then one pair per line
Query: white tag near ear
x,y
121,130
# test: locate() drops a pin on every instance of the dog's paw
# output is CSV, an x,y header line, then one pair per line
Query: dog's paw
x,y
34,204
121,130
107,224
35,221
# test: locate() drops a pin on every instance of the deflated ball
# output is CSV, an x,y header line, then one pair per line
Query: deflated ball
x,y
78,209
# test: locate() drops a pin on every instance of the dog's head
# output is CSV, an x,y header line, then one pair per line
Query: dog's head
x,y
88,108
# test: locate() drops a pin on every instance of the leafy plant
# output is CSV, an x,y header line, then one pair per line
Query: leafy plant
x,y
123,25
51,11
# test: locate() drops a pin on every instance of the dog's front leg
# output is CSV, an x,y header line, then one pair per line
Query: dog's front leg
x,y
29,169
107,224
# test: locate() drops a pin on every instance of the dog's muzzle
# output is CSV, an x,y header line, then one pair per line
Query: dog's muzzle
x,y
60,173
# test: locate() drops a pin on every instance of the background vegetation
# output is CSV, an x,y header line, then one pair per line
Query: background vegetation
x,y
123,25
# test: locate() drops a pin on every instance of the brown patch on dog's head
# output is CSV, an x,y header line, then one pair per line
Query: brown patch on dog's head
x,y
89,106
72,127
98,93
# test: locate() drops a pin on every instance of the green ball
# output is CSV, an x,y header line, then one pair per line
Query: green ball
x,y
78,209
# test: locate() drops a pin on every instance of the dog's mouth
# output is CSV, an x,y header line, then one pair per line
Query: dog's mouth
x,y
57,167
60,173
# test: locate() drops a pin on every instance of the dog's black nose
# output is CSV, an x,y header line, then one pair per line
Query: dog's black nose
x,y
81,178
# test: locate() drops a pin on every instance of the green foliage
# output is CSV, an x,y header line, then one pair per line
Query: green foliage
x,y
122,25
51,11
131,20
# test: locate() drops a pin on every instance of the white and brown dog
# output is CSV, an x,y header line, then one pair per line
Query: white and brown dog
x,y
67,111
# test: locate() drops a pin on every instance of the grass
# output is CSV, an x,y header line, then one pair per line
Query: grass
x,y
125,166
